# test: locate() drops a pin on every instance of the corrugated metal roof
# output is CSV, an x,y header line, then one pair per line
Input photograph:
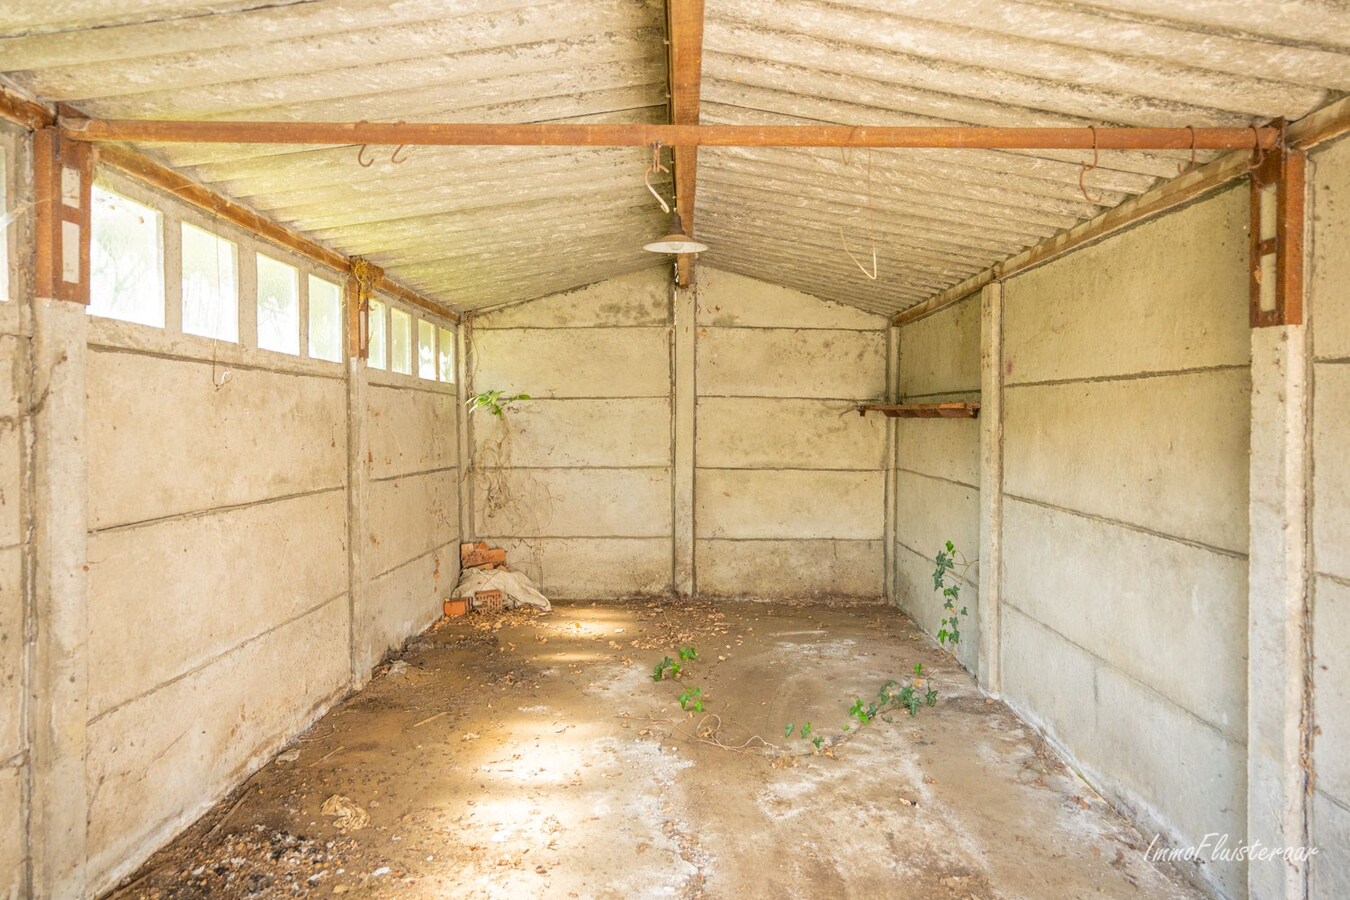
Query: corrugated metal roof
x,y
480,226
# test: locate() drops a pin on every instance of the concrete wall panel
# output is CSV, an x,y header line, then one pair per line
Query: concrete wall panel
x,y
915,595
820,570
409,517
729,300
13,352
402,602
788,504
11,654
940,354
1166,295
592,568
1330,869
746,362
1168,454
948,448
168,597
587,362
642,298
158,762
11,832
1329,273
1172,616
750,433
1141,750
1331,478
576,433
930,512
575,503
410,430
1331,650
263,434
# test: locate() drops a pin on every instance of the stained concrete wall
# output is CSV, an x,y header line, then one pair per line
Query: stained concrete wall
x,y
411,512
15,540
1126,436
937,484
227,606
218,595
789,479
1329,307
576,482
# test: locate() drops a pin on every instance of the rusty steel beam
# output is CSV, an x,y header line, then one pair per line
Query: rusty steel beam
x,y
25,112
683,135
62,174
1278,187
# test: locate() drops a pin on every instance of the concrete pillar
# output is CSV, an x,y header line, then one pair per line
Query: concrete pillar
x,y
464,425
1278,622
684,303
891,461
358,481
58,675
990,612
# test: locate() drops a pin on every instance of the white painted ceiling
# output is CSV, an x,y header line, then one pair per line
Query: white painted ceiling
x,y
477,227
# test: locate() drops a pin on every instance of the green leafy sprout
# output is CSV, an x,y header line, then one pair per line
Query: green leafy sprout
x,y
492,401
948,560
691,699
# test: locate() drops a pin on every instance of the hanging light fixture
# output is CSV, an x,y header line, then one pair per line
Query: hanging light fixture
x,y
677,241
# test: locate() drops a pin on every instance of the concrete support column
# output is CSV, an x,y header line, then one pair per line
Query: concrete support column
x,y
685,305
358,480
1278,621
58,675
990,611
464,425
891,462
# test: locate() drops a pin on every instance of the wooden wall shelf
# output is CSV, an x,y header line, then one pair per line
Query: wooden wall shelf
x,y
922,410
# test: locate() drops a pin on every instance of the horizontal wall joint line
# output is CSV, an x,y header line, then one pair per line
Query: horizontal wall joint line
x,y
418,474
451,545
338,374
1140,529
210,661
930,475
202,513
1129,376
1186,711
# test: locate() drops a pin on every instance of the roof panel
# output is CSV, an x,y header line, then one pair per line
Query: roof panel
x,y
482,226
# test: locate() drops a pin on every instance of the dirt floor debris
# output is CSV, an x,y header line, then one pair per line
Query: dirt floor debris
x,y
349,816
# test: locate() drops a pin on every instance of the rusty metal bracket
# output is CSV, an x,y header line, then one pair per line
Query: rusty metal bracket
x,y
1278,185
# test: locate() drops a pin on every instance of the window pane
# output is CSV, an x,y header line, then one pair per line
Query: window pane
x,y
400,341
278,306
378,338
210,285
126,278
447,355
426,350
325,319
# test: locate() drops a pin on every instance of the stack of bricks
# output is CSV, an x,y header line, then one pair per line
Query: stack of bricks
x,y
480,556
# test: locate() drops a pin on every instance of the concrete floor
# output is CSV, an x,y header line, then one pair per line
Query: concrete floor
x,y
525,755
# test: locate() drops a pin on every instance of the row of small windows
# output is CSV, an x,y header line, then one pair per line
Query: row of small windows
x,y
127,283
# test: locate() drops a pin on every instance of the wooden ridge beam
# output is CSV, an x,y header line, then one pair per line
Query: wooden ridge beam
x,y
142,168
684,30
449,134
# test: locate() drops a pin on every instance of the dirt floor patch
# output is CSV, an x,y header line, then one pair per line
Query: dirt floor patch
x,y
520,754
